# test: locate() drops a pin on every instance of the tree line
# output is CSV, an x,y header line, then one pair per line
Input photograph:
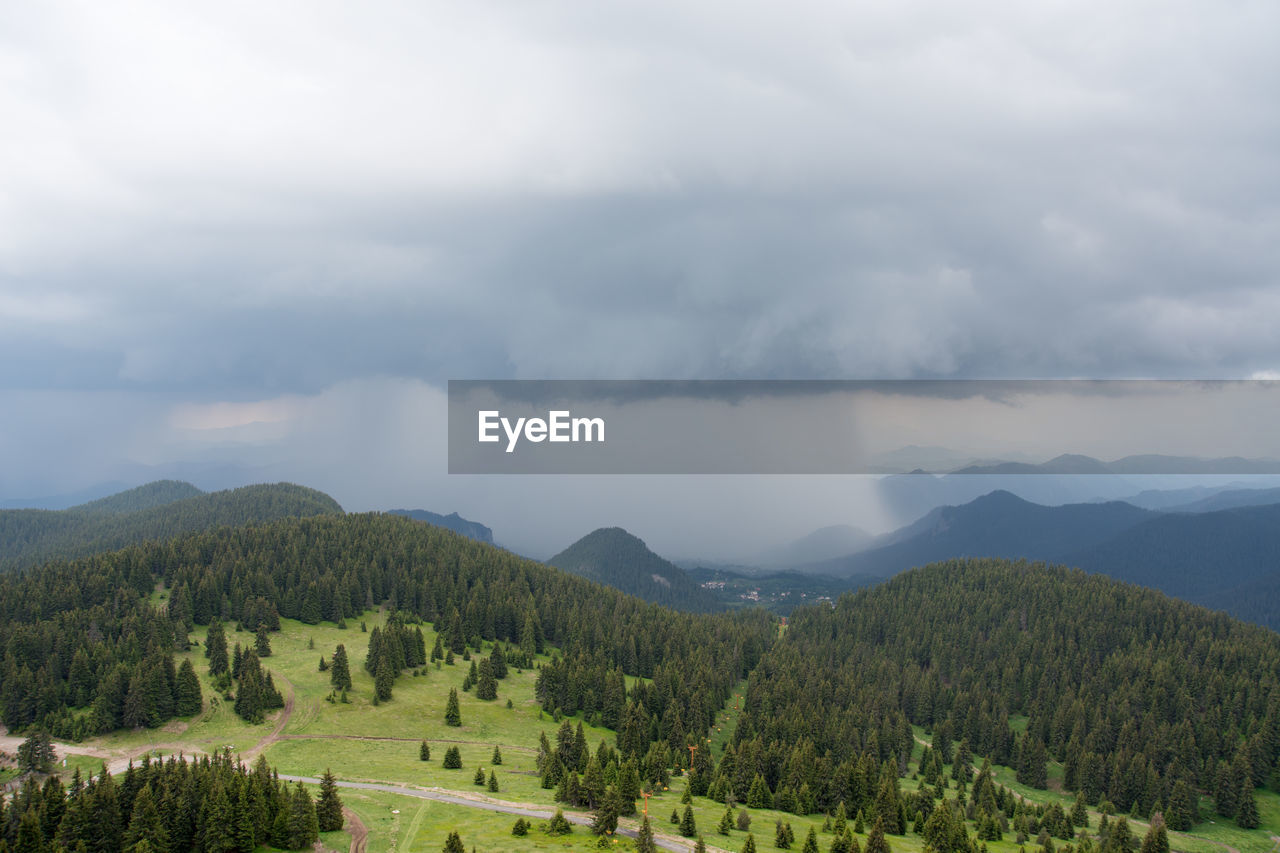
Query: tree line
x,y
1145,700
213,804
332,568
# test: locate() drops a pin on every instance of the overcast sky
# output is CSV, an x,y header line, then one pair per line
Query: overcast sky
x,y
254,240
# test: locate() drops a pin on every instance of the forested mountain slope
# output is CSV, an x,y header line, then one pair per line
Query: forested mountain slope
x,y
150,495
32,536
1136,693
75,635
1226,559
614,557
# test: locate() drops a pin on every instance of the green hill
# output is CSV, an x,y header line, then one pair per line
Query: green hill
x,y
147,496
1136,698
614,557
155,511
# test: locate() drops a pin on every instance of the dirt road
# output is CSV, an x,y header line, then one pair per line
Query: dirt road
x,y
474,801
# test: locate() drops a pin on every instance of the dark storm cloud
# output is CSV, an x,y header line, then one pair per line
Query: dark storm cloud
x,y
861,192
239,204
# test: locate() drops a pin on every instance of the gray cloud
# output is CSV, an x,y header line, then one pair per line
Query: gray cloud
x,y
237,203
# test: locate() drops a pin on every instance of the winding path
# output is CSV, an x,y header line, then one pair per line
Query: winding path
x,y
359,832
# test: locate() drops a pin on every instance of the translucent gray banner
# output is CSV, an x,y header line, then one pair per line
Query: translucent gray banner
x,y
864,427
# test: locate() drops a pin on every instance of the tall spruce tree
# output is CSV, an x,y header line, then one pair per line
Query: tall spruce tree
x,y
486,684
1247,817
329,808
1157,839
452,713
215,648
262,642
303,824
187,698
340,671
644,838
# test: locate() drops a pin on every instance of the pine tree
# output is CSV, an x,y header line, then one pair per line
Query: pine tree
x,y
329,808
262,643
452,715
384,678
628,786
452,759
593,784
187,699
1247,817
453,844
424,751
758,797
559,825
1120,839
486,684
340,671
810,842
303,824
146,825
479,777
215,648
644,838
726,821
749,846
35,754
1181,814
497,756
520,828
780,833
688,828
1079,812
493,782
605,820
29,838
876,842
1157,839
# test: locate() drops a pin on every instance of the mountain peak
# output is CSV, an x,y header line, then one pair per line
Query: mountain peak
x,y
614,556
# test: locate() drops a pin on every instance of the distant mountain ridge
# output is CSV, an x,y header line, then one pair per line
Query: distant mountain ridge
x,y
1227,559
470,529
999,524
1068,478
1230,499
32,536
614,557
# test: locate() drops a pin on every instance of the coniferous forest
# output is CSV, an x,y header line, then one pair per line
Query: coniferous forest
x,y
1142,698
1142,703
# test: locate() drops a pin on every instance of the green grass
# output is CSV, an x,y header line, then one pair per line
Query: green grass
x,y
1209,836
416,711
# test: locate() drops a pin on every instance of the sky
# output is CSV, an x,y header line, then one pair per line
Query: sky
x,y
243,242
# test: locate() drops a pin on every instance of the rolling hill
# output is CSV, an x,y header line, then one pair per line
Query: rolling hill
x,y
614,557
154,511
